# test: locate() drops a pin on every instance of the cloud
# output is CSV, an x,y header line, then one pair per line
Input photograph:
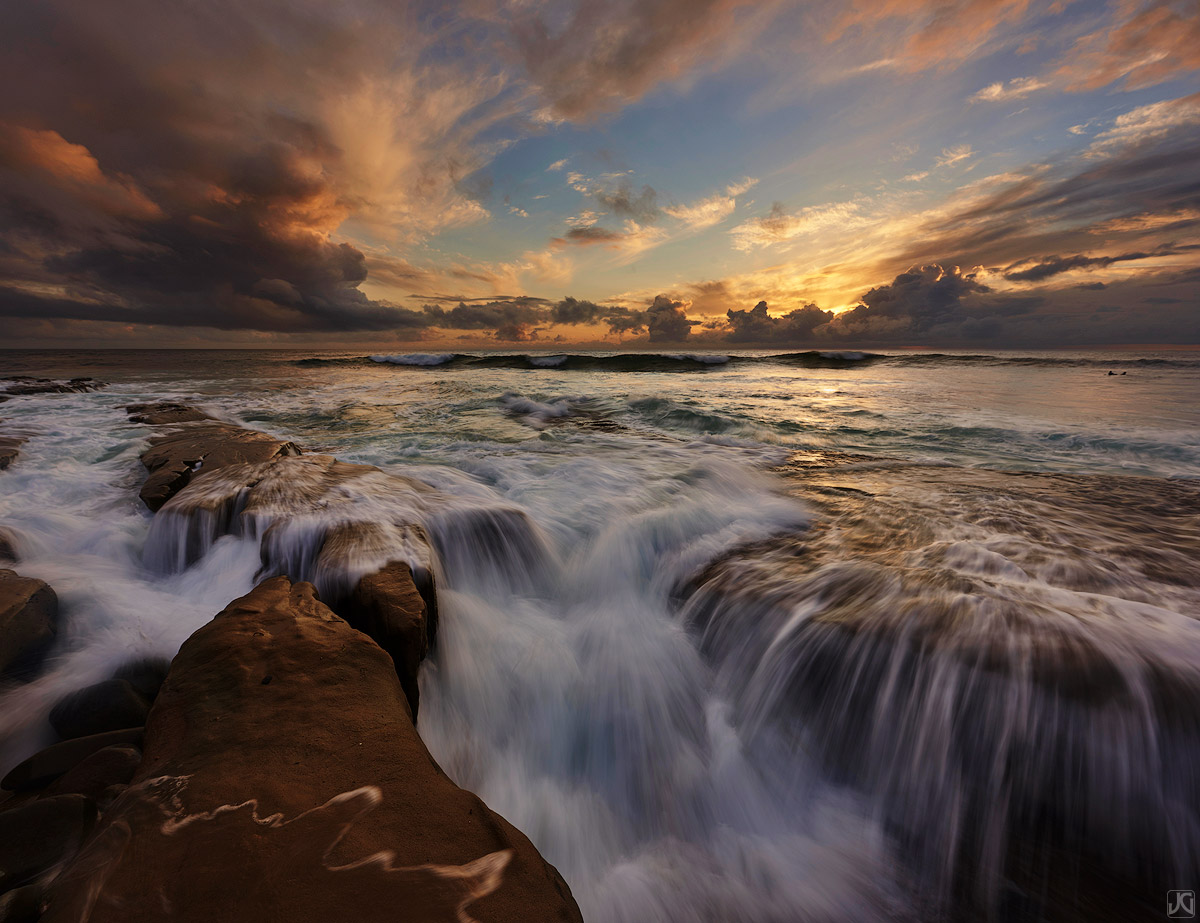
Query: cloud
x,y
742,186
1145,44
952,155
589,58
642,206
1054,265
704,213
779,226
587,234
758,327
557,165
667,321
1017,88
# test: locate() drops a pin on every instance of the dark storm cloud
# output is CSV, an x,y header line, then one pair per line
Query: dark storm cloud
x,y
492,315
1053,265
184,165
667,321
757,326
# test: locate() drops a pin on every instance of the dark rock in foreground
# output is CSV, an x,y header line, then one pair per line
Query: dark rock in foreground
x,y
106,706
56,761
95,774
284,780
173,459
37,836
28,622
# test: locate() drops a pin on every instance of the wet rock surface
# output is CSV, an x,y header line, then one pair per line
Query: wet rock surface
x,y
280,755
18,385
173,459
10,448
28,623
164,412
387,606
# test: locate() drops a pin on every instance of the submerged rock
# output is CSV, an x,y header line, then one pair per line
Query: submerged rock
x,y
95,774
281,767
37,836
28,622
23,384
10,448
21,905
174,458
57,760
163,412
8,545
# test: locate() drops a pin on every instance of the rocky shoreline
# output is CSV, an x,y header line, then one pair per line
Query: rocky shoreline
x,y
273,769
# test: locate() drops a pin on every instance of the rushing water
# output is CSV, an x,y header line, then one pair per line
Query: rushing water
x,y
827,636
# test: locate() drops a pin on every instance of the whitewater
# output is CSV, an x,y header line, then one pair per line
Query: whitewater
x,y
744,636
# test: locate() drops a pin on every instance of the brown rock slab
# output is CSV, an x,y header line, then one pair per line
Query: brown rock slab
x,y
284,780
387,606
39,835
105,706
28,622
95,774
174,458
47,765
163,412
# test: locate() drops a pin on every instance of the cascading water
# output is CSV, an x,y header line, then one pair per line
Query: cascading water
x,y
860,687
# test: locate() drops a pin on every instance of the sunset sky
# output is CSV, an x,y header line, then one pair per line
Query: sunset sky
x,y
997,173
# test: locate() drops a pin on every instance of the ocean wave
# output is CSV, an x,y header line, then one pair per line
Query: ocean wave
x,y
703,362
418,359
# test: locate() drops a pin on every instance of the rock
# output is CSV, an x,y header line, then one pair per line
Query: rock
x,y
173,459
22,905
145,675
93,776
387,606
8,545
162,412
28,623
105,706
47,765
23,384
10,448
278,757
38,836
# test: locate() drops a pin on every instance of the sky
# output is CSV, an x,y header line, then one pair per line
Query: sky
x,y
534,174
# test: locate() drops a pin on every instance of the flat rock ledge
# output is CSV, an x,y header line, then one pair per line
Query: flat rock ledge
x,y
283,779
174,457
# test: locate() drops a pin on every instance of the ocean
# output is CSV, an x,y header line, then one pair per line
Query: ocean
x,y
754,636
